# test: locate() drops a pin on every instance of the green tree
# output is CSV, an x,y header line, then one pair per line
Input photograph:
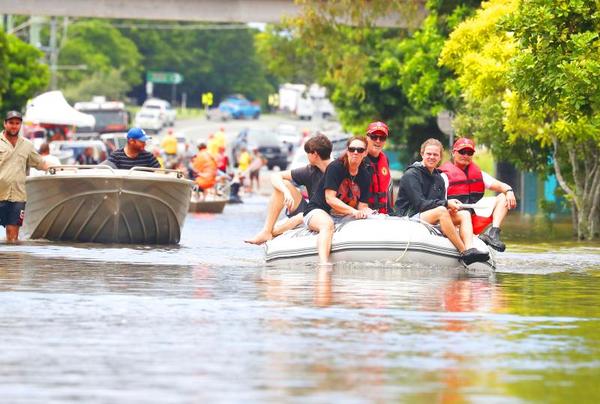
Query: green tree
x,y
97,85
373,73
222,61
529,74
556,72
25,73
3,66
102,49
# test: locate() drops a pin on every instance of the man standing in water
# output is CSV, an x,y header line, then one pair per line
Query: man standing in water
x,y
422,196
16,156
134,153
286,193
466,182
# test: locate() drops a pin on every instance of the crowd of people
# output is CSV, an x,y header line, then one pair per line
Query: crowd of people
x,y
358,184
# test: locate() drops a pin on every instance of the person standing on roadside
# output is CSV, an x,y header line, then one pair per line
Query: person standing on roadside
x,y
377,162
17,154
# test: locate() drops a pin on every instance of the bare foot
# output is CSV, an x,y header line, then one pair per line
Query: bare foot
x,y
260,238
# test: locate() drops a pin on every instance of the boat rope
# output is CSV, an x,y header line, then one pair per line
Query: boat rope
x,y
399,259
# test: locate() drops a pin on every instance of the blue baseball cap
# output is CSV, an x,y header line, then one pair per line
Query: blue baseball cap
x,y
137,134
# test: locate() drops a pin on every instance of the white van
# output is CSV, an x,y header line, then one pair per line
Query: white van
x,y
167,112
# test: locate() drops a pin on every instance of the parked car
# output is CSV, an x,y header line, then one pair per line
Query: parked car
x,y
67,151
239,107
149,119
267,143
167,113
216,114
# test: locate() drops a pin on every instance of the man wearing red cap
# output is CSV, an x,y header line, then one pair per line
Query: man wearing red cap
x,y
466,182
377,162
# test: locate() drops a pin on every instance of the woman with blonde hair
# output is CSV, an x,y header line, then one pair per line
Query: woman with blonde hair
x,y
343,191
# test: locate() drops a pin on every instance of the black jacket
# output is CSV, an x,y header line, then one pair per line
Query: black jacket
x,y
420,190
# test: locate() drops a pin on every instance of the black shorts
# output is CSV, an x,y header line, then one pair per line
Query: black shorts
x,y
301,206
12,213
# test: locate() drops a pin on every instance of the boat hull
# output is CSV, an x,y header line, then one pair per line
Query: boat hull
x,y
116,206
380,238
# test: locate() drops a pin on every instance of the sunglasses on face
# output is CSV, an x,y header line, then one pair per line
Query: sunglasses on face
x,y
375,138
356,149
466,152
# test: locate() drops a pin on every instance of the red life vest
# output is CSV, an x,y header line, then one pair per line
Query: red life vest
x,y
380,183
467,186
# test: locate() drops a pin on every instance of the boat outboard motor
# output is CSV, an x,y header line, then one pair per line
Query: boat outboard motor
x,y
234,196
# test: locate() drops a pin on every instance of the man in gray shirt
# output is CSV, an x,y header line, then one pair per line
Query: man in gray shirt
x,y
286,193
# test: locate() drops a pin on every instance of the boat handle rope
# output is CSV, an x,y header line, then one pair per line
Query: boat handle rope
x,y
399,259
154,170
52,170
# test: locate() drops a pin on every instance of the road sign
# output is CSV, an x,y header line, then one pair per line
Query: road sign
x,y
164,77
207,99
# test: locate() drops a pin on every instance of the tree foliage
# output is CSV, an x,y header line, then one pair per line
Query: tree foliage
x,y
22,72
529,73
372,73
101,48
222,61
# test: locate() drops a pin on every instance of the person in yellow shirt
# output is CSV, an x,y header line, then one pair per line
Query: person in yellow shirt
x,y
220,140
169,147
212,145
244,160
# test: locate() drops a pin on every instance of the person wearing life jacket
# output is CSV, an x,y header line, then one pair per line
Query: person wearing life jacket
x,y
205,168
378,165
466,182
422,197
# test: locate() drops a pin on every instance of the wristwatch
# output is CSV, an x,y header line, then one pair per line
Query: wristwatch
x,y
509,190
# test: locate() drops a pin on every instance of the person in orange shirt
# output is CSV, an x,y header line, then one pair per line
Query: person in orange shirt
x,y
205,169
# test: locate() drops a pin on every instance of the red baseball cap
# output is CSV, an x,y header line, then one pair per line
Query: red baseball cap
x,y
375,127
463,143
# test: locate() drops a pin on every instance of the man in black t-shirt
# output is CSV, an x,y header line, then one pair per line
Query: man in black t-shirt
x,y
286,193
134,153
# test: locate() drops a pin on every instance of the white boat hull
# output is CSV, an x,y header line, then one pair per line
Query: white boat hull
x,y
379,238
107,206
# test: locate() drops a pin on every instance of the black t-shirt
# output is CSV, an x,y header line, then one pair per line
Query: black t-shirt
x,y
124,162
349,189
309,176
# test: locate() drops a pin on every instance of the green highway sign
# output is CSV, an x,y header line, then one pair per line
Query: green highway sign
x,y
164,77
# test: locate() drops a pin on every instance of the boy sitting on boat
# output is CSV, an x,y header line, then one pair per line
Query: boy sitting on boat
x,y
286,193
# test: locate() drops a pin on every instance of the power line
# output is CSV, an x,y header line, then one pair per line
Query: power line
x,y
187,27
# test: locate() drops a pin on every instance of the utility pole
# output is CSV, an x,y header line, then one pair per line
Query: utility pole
x,y
53,55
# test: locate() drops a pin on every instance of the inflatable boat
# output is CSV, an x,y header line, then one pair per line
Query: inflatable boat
x,y
379,238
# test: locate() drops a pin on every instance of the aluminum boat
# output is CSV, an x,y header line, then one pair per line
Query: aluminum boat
x,y
105,205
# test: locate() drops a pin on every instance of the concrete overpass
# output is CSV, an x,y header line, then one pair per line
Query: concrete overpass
x,y
269,11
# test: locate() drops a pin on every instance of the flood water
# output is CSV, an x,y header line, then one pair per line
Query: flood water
x,y
207,321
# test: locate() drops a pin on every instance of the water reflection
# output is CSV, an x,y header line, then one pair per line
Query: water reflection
x,y
208,321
